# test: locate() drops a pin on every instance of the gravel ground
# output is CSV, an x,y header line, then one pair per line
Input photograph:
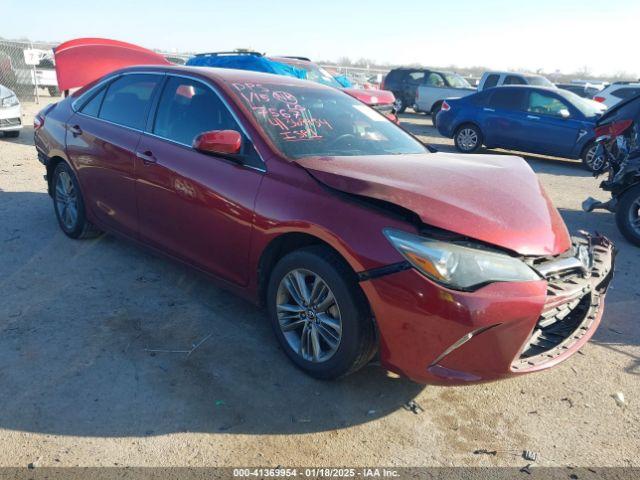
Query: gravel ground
x,y
78,388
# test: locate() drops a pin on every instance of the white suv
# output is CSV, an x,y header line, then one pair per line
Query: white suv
x,y
10,113
617,92
498,79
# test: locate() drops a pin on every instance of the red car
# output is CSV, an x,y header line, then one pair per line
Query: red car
x,y
356,238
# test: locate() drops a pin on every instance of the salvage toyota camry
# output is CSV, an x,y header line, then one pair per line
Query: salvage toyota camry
x,y
354,235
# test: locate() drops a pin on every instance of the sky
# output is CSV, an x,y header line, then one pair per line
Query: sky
x,y
565,36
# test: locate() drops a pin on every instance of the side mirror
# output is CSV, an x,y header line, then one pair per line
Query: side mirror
x,y
564,113
226,142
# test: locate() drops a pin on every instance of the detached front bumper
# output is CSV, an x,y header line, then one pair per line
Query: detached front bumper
x,y
435,335
10,118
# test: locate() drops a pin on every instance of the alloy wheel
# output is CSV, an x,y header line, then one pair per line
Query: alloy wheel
x,y
467,139
397,104
66,200
308,315
593,161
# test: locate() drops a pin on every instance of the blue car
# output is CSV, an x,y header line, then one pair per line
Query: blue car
x,y
530,119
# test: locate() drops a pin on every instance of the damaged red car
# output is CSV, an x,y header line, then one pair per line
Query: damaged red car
x,y
355,237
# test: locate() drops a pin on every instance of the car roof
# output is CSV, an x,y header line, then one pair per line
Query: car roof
x,y
505,72
524,87
227,75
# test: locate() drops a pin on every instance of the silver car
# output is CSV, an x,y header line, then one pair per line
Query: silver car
x,y
437,87
10,113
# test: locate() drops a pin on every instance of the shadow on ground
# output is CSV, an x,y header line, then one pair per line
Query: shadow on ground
x,y
79,317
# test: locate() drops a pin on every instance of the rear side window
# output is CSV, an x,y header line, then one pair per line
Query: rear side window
x,y
491,81
393,77
415,78
187,108
92,107
435,80
514,80
127,100
507,98
625,92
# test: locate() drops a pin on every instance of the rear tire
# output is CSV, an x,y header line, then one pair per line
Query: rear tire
x,y
468,138
628,215
341,350
589,160
68,204
399,105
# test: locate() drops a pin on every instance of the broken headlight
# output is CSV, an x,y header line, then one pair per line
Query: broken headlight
x,y
456,266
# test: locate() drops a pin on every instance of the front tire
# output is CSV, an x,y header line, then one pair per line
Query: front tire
x,y
628,215
319,314
468,138
69,204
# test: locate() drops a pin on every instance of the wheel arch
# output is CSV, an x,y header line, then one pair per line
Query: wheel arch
x,y
51,165
282,245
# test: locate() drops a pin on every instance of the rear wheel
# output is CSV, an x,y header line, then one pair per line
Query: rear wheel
x,y
590,160
468,138
69,205
319,314
399,106
628,215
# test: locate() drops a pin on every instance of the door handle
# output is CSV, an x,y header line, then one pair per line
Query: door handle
x,y
75,130
533,117
146,156
487,109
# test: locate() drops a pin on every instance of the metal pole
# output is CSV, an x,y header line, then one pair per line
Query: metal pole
x,y
35,79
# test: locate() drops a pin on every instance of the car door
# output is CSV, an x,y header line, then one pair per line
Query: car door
x,y
553,126
433,88
198,207
502,118
102,137
411,83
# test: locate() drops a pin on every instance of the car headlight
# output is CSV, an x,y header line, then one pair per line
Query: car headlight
x,y
457,266
10,101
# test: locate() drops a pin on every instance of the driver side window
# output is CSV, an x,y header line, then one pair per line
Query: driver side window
x,y
187,108
546,104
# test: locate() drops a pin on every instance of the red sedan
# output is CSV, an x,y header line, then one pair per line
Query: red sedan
x,y
356,238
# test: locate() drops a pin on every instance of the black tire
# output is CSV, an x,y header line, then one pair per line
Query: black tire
x,y
80,228
399,105
588,161
12,134
627,215
357,344
460,143
53,91
434,113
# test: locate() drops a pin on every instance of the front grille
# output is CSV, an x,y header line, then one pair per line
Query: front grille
x,y
9,122
573,300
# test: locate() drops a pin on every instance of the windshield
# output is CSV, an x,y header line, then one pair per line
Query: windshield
x,y
315,73
588,108
539,81
303,121
456,81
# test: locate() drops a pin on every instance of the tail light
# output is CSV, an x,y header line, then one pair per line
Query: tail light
x,y
613,129
38,122
445,107
599,99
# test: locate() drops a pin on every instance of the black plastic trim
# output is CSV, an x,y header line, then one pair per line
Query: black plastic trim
x,y
382,271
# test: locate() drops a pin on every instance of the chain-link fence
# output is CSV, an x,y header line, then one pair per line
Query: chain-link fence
x,y
22,78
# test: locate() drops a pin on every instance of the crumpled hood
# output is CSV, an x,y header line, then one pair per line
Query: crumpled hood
x,y
371,97
493,198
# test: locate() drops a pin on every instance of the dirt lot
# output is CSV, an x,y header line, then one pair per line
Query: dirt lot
x,y
78,388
